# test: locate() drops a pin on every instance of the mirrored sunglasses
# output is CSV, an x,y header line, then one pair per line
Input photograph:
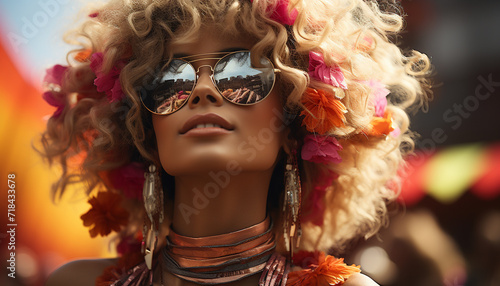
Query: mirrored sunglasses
x,y
234,75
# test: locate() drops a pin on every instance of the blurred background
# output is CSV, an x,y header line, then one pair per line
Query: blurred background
x,y
446,225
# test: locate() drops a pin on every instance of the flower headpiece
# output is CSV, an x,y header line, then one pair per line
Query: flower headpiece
x,y
331,75
382,123
55,96
320,269
129,179
106,214
108,83
281,13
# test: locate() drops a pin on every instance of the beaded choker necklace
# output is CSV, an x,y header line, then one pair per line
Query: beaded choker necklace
x,y
220,258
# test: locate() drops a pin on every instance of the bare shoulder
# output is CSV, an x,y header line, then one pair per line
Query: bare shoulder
x,y
359,279
79,272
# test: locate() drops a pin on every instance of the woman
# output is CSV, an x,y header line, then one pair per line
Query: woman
x,y
268,132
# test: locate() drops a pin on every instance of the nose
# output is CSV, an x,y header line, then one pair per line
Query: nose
x,y
205,91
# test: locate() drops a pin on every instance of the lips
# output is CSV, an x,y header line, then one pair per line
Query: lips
x,y
209,120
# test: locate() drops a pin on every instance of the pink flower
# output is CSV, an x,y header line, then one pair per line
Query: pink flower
x,y
108,83
314,210
54,97
320,71
129,179
55,74
280,13
396,132
321,149
379,96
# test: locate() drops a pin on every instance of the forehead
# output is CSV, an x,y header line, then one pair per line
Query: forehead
x,y
210,39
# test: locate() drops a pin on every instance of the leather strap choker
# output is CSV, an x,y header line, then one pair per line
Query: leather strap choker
x,y
220,258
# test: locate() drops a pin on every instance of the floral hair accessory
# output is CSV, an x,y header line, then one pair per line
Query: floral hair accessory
x,y
322,111
129,179
320,269
55,75
55,97
83,56
106,214
314,211
57,100
281,14
108,83
320,71
129,244
321,149
126,263
381,126
379,96
396,132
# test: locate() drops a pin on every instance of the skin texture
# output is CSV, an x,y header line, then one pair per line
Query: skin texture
x,y
221,180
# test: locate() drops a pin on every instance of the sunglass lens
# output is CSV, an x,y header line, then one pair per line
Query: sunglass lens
x,y
172,88
242,82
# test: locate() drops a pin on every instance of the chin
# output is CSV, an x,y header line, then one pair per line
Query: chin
x,y
206,163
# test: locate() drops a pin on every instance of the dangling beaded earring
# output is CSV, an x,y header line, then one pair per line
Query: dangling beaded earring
x,y
291,204
152,194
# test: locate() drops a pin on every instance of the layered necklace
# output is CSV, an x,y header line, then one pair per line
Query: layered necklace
x,y
227,257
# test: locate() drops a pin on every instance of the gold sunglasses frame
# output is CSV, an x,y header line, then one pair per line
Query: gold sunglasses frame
x,y
197,71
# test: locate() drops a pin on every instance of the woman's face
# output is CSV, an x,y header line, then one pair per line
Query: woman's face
x,y
249,138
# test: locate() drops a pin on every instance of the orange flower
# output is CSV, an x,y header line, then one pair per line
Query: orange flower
x,y
381,126
106,214
114,272
322,111
328,271
109,275
83,55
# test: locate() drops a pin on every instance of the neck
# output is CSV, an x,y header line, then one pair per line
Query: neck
x,y
219,202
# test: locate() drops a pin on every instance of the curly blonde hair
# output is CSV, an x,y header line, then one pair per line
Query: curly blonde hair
x,y
93,135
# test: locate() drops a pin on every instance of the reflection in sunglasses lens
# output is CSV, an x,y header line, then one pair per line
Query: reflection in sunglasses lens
x,y
241,82
236,77
174,87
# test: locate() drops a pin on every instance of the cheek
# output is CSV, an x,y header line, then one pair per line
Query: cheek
x,y
164,140
265,131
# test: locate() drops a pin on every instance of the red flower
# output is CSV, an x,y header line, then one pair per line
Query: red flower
x,y
129,179
313,210
307,259
129,244
322,270
106,214
323,111
55,74
108,83
55,97
281,14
